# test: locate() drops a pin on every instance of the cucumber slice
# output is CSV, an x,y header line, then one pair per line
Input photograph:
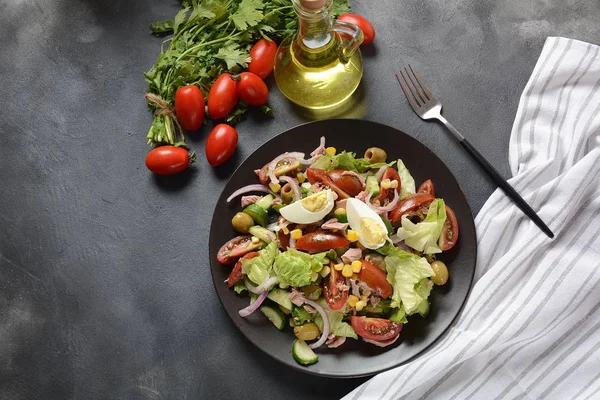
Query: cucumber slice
x,y
280,297
424,308
258,214
373,185
266,201
261,233
275,315
302,353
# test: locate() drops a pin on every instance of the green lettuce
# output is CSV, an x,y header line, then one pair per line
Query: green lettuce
x,y
336,325
345,160
399,315
407,186
408,273
300,316
295,268
424,236
259,268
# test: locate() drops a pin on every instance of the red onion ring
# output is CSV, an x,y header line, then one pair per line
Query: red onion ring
x,y
244,312
380,173
294,185
248,188
273,280
384,209
326,326
273,164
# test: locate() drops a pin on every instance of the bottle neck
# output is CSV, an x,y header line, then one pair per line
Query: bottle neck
x,y
314,25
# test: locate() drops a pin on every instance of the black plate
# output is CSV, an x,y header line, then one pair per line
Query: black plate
x,y
354,358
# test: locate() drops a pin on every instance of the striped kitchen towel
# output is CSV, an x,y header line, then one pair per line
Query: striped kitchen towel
x,y
531,326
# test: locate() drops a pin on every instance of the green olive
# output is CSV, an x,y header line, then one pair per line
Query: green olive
x,y
287,194
441,273
307,331
375,155
241,222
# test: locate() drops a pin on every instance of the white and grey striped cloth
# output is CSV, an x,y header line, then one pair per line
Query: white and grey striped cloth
x,y
531,326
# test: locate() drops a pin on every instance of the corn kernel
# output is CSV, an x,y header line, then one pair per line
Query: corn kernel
x,y
352,235
394,184
331,151
314,276
296,234
300,176
325,271
275,187
255,240
340,211
352,300
338,267
360,305
356,266
347,271
386,184
285,230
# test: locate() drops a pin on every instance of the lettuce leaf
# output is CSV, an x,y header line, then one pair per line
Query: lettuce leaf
x,y
424,236
337,326
408,273
295,268
407,186
259,268
399,315
345,160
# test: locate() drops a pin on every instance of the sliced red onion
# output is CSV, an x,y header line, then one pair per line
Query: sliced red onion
x,y
244,312
383,343
380,173
273,280
322,141
390,206
294,184
273,164
251,287
326,326
292,244
249,188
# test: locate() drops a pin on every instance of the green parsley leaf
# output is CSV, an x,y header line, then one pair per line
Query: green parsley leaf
x,y
180,19
162,27
248,14
233,56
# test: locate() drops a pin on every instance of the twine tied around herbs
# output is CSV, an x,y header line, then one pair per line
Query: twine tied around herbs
x,y
162,108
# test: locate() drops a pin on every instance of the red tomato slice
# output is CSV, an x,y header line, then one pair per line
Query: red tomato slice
x,y
377,329
427,187
388,194
375,278
449,234
410,204
315,175
236,274
335,290
284,166
235,248
349,183
317,242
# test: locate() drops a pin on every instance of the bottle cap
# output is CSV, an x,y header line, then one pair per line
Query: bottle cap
x,y
313,4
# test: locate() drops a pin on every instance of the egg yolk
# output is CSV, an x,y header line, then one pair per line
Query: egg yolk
x,y
372,232
316,202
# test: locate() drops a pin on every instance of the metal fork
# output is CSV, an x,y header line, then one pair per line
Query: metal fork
x,y
428,107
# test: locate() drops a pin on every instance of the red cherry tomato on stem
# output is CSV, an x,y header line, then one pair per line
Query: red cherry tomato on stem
x,y
263,57
377,329
189,107
335,290
221,144
317,242
449,234
252,90
375,278
168,160
222,96
364,25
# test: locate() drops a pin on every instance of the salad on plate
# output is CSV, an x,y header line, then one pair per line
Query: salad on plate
x,y
338,247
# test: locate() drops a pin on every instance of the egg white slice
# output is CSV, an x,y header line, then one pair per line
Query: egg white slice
x,y
310,209
372,232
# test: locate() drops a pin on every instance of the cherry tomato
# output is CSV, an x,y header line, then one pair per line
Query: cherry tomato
x,y
236,274
315,175
364,25
221,144
377,329
317,242
375,278
410,204
449,234
335,290
168,160
252,90
392,175
222,96
283,167
347,182
235,248
189,107
263,57
427,187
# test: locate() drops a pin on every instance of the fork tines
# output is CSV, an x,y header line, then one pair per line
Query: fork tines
x,y
414,88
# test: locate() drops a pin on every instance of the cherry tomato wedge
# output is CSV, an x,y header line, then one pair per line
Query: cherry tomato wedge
x,y
392,175
348,182
449,234
317,242
375,278
189,107
235,248
427,187
410,204
263,57
283,167
222,96
377,329
221,144
335,290
315,175
252,90
236,274
364,25
168,160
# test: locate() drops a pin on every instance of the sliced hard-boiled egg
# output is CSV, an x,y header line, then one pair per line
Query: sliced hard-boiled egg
x,y
371,229
310,209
